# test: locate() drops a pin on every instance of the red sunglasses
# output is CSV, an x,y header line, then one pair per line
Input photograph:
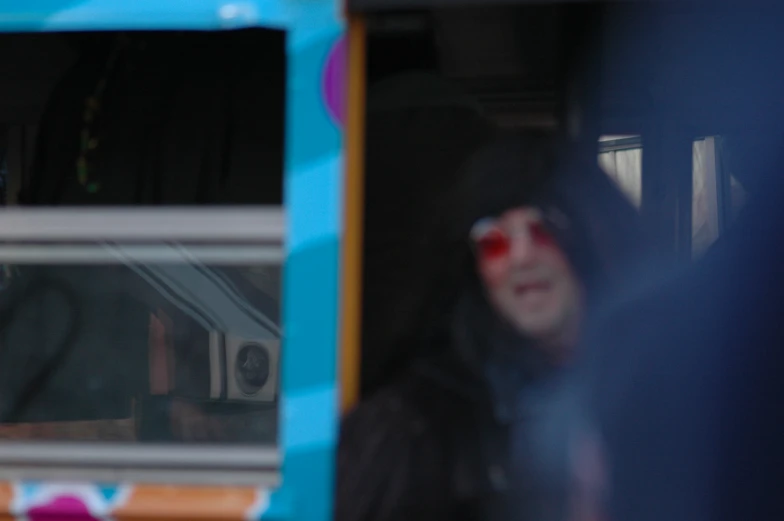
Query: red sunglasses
x,y
492,242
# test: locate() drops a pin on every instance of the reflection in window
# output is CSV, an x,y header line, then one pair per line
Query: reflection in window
x,y
621,158
140,342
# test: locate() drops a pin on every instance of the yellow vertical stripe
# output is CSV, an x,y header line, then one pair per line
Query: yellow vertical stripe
x,y
351,305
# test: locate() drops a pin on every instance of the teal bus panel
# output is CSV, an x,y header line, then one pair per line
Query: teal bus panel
x,y
315,112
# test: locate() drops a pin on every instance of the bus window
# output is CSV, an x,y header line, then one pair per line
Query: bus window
x,y
141,341
142,249
718,195
621,158
705,195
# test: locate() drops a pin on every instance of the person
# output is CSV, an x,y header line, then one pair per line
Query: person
x,y
514,275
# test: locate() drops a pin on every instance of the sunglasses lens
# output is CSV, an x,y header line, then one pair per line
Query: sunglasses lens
x,y
540,235
493,245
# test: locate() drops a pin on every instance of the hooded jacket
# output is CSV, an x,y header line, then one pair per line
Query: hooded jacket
x,y
454,436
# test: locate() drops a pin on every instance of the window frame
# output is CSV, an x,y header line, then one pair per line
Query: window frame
x,y
626,142
263,227
314,202
620,144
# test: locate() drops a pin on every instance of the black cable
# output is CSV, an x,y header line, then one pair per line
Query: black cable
x,y
32,388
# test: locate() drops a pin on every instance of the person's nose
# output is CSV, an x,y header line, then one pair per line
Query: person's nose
x,y
523,249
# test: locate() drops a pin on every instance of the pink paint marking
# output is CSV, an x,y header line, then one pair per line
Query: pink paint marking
x,y
333,82
63,508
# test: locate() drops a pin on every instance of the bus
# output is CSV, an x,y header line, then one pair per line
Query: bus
x,y
186,302
147,370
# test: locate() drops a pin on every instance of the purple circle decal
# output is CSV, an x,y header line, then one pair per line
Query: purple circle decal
x,y
333,82
61,508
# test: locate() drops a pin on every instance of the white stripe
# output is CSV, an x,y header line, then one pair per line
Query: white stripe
x,y
105,254
261,224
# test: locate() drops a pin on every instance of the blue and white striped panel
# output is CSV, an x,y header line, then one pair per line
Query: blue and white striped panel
x,y
314,206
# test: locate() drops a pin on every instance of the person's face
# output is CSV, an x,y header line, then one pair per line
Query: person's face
x,y
527,277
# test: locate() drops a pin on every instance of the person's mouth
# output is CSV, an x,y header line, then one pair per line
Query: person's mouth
x,y
525,288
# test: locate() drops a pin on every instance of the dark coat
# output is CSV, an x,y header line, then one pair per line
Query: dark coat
x,y
425,448
455,436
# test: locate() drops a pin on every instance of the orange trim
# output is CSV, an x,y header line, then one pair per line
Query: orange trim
x,y
169,503
6,502
353,216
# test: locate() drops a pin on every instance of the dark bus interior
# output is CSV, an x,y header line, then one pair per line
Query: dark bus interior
x,y
663,87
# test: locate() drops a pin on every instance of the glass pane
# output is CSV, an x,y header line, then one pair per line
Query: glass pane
x,y
145,117
705,209
143,342
621,158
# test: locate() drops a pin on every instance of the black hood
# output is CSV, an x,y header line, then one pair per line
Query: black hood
x,y
593,223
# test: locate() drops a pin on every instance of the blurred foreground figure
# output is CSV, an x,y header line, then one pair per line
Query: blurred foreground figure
x,y
682,380
686,388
